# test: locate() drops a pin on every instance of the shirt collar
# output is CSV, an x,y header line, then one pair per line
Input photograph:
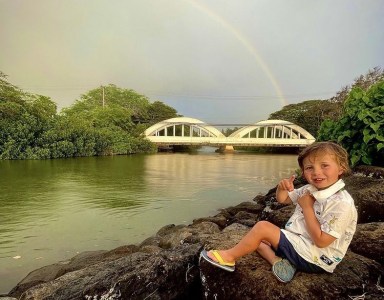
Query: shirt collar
x,y
328,192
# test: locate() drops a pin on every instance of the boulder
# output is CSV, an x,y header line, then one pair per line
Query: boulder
x,y
253,279
370,171
80,261
172,274
368,194
369,241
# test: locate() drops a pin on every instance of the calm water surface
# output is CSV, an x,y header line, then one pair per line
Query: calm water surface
x,y
51,210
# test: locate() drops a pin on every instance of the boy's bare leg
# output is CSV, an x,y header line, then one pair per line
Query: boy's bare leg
x,y
262,230
267,252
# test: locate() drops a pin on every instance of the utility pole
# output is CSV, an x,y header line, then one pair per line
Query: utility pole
x,y
103,89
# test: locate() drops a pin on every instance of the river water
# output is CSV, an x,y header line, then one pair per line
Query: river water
x,y
51,210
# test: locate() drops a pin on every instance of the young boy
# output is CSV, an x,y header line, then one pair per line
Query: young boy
x,y
317,235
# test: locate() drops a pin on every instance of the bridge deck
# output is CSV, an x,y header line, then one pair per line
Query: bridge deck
x,y
218,142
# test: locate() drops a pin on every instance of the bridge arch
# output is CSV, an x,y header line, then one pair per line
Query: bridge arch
x,y
273,129
183,127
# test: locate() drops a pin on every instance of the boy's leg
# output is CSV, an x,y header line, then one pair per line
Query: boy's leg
x,y
267,252
262,230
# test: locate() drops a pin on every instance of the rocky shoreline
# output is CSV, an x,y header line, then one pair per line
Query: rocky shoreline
x,y
167,266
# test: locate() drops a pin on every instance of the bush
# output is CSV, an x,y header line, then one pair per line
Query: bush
x,y
361,127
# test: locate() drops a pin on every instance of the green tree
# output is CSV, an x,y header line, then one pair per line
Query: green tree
x,y
360,130
69,137
30,127
24,117
135,105
117,122
308,114
158,111
229,131
9,92
363,81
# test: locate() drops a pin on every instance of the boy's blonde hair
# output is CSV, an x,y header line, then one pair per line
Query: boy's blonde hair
x,y
339,152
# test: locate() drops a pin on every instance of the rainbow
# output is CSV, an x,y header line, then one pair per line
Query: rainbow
x,y
243,40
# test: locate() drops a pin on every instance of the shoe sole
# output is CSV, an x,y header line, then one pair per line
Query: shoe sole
x,y
204,255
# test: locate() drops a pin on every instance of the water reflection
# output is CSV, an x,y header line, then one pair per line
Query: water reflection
x,y
36,191
188,176
50,210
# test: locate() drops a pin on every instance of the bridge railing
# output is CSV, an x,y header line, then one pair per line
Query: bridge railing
x,y
218,142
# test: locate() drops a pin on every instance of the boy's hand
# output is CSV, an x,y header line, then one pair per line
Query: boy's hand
x,y
287,184
306,201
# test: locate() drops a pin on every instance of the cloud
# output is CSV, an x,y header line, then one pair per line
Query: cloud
x,y
211,60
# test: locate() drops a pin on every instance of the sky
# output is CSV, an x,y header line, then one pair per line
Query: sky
x,y
219,61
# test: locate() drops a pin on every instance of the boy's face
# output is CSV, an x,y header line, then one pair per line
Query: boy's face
x,y
321,170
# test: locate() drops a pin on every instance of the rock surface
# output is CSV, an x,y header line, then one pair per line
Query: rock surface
x,y
167,265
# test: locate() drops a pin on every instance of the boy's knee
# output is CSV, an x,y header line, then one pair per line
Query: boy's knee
x,y
266,229
262,225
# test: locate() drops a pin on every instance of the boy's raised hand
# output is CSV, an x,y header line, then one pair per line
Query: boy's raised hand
x,y
287,184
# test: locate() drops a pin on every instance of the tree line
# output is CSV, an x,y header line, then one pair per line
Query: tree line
x,y
110,120
354,118
31,128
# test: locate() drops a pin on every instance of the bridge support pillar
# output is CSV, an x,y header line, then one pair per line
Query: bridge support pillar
x,y
226,149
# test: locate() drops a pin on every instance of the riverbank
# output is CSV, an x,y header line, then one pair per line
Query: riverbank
x,y
166,265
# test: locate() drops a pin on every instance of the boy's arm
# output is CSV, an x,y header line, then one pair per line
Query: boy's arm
x,y
319,237
282,196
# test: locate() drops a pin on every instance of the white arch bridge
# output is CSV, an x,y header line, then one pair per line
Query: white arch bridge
x,y
189,131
